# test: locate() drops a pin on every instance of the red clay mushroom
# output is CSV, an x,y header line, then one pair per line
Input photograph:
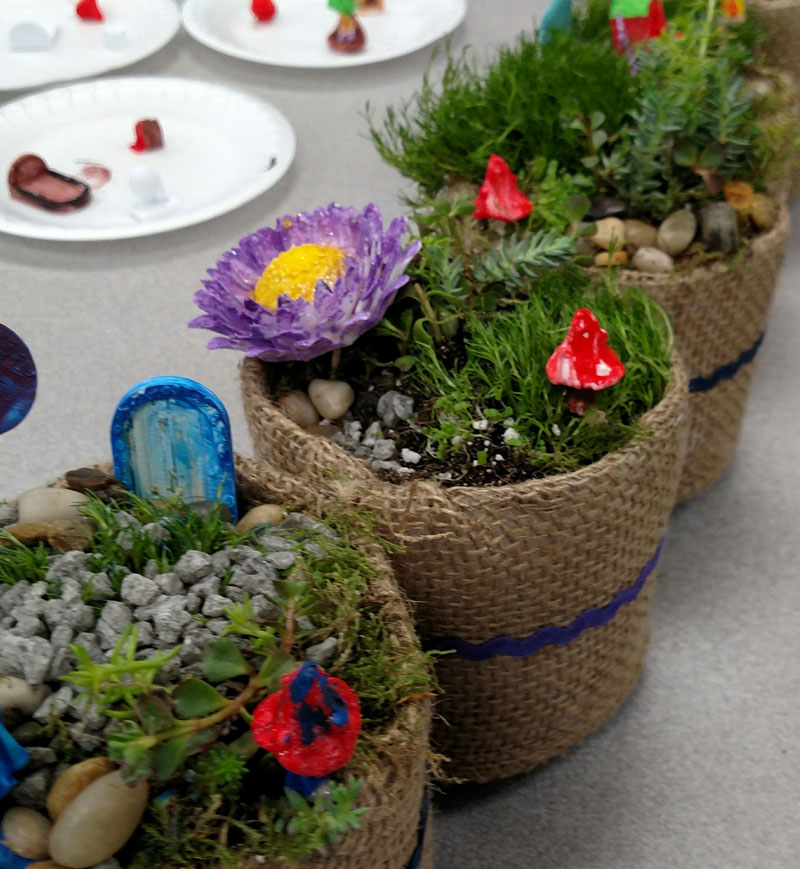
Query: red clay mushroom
x,y
88,10
499,197
584,362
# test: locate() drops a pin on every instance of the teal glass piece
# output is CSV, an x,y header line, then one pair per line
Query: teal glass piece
x,y
557,16
171,435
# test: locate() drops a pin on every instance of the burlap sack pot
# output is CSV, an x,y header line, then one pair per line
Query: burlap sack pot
x,y
541,588
781,19
719,313
397,831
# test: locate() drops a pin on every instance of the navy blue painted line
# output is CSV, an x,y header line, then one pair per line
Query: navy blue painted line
x,y
725,372
416,857
551,635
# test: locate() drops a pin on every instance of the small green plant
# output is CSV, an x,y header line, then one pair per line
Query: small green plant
x,y
501,377
18,562
121,539
513,109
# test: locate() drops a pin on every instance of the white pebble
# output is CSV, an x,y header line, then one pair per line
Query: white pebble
x,y
499,458
480,424
410,456
556,429
510,434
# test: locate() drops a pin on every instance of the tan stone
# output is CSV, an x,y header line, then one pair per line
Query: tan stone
x,y
325,431
19,699
98,822
639,234
73,781
25,832
609,231
618,258
298,407
49,504
264,514
332,398
30,533
45,864
70,534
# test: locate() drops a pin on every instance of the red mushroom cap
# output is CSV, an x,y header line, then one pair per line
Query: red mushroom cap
x,y
499,197
583,360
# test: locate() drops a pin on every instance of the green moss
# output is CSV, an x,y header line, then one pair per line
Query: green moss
x,y
501,373
516,108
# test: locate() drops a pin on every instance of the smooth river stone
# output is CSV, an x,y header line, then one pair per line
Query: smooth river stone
x,y
651,259
332,398
25,832
640,234
264,514
74,781
677,232
48,505
609,231
98,822
18,699
298,407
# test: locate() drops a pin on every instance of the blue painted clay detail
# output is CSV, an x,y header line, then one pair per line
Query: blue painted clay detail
x,y
13,758
557,16
172,434
17,379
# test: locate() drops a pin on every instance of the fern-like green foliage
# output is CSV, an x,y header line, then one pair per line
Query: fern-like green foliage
x,y
516,261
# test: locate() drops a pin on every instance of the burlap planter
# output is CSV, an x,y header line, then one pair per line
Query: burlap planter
x,y
545,583
719,313
397,831
781,19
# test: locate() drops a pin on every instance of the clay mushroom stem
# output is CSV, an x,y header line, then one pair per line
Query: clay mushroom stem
x,y
584,362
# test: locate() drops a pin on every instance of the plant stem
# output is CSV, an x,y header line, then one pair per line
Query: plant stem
x,y
233,707
425,302
336,359
711,8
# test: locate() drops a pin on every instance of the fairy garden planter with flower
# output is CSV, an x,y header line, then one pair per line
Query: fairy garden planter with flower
x,y
627,151
176,691
527,533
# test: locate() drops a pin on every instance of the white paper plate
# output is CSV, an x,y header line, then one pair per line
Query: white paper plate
x,y
80,49
222,148
298,35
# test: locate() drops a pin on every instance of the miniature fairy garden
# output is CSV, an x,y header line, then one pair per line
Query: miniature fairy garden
x,y
652,149
176,690
448,374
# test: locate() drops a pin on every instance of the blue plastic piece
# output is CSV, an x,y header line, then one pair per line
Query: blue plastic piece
x,y
557,16
172,435
10,860
13,758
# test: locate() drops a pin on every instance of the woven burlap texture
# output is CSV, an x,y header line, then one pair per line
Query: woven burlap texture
x,y
393,785
483,562
718,312
781,18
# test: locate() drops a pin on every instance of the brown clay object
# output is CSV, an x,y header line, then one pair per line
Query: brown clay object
x,y
31,180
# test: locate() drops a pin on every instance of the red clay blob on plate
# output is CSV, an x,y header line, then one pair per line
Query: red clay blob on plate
x,y
264,10
88,10
31,180
148,136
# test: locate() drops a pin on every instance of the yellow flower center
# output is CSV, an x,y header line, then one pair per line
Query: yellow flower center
x,y
295,272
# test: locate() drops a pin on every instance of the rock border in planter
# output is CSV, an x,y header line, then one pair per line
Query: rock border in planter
x,y
572,554
719,314
397,831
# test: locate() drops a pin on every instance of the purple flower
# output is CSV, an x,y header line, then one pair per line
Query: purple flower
x,y
315,283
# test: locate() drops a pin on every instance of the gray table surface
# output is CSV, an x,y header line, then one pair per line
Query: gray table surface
x,y
701,767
